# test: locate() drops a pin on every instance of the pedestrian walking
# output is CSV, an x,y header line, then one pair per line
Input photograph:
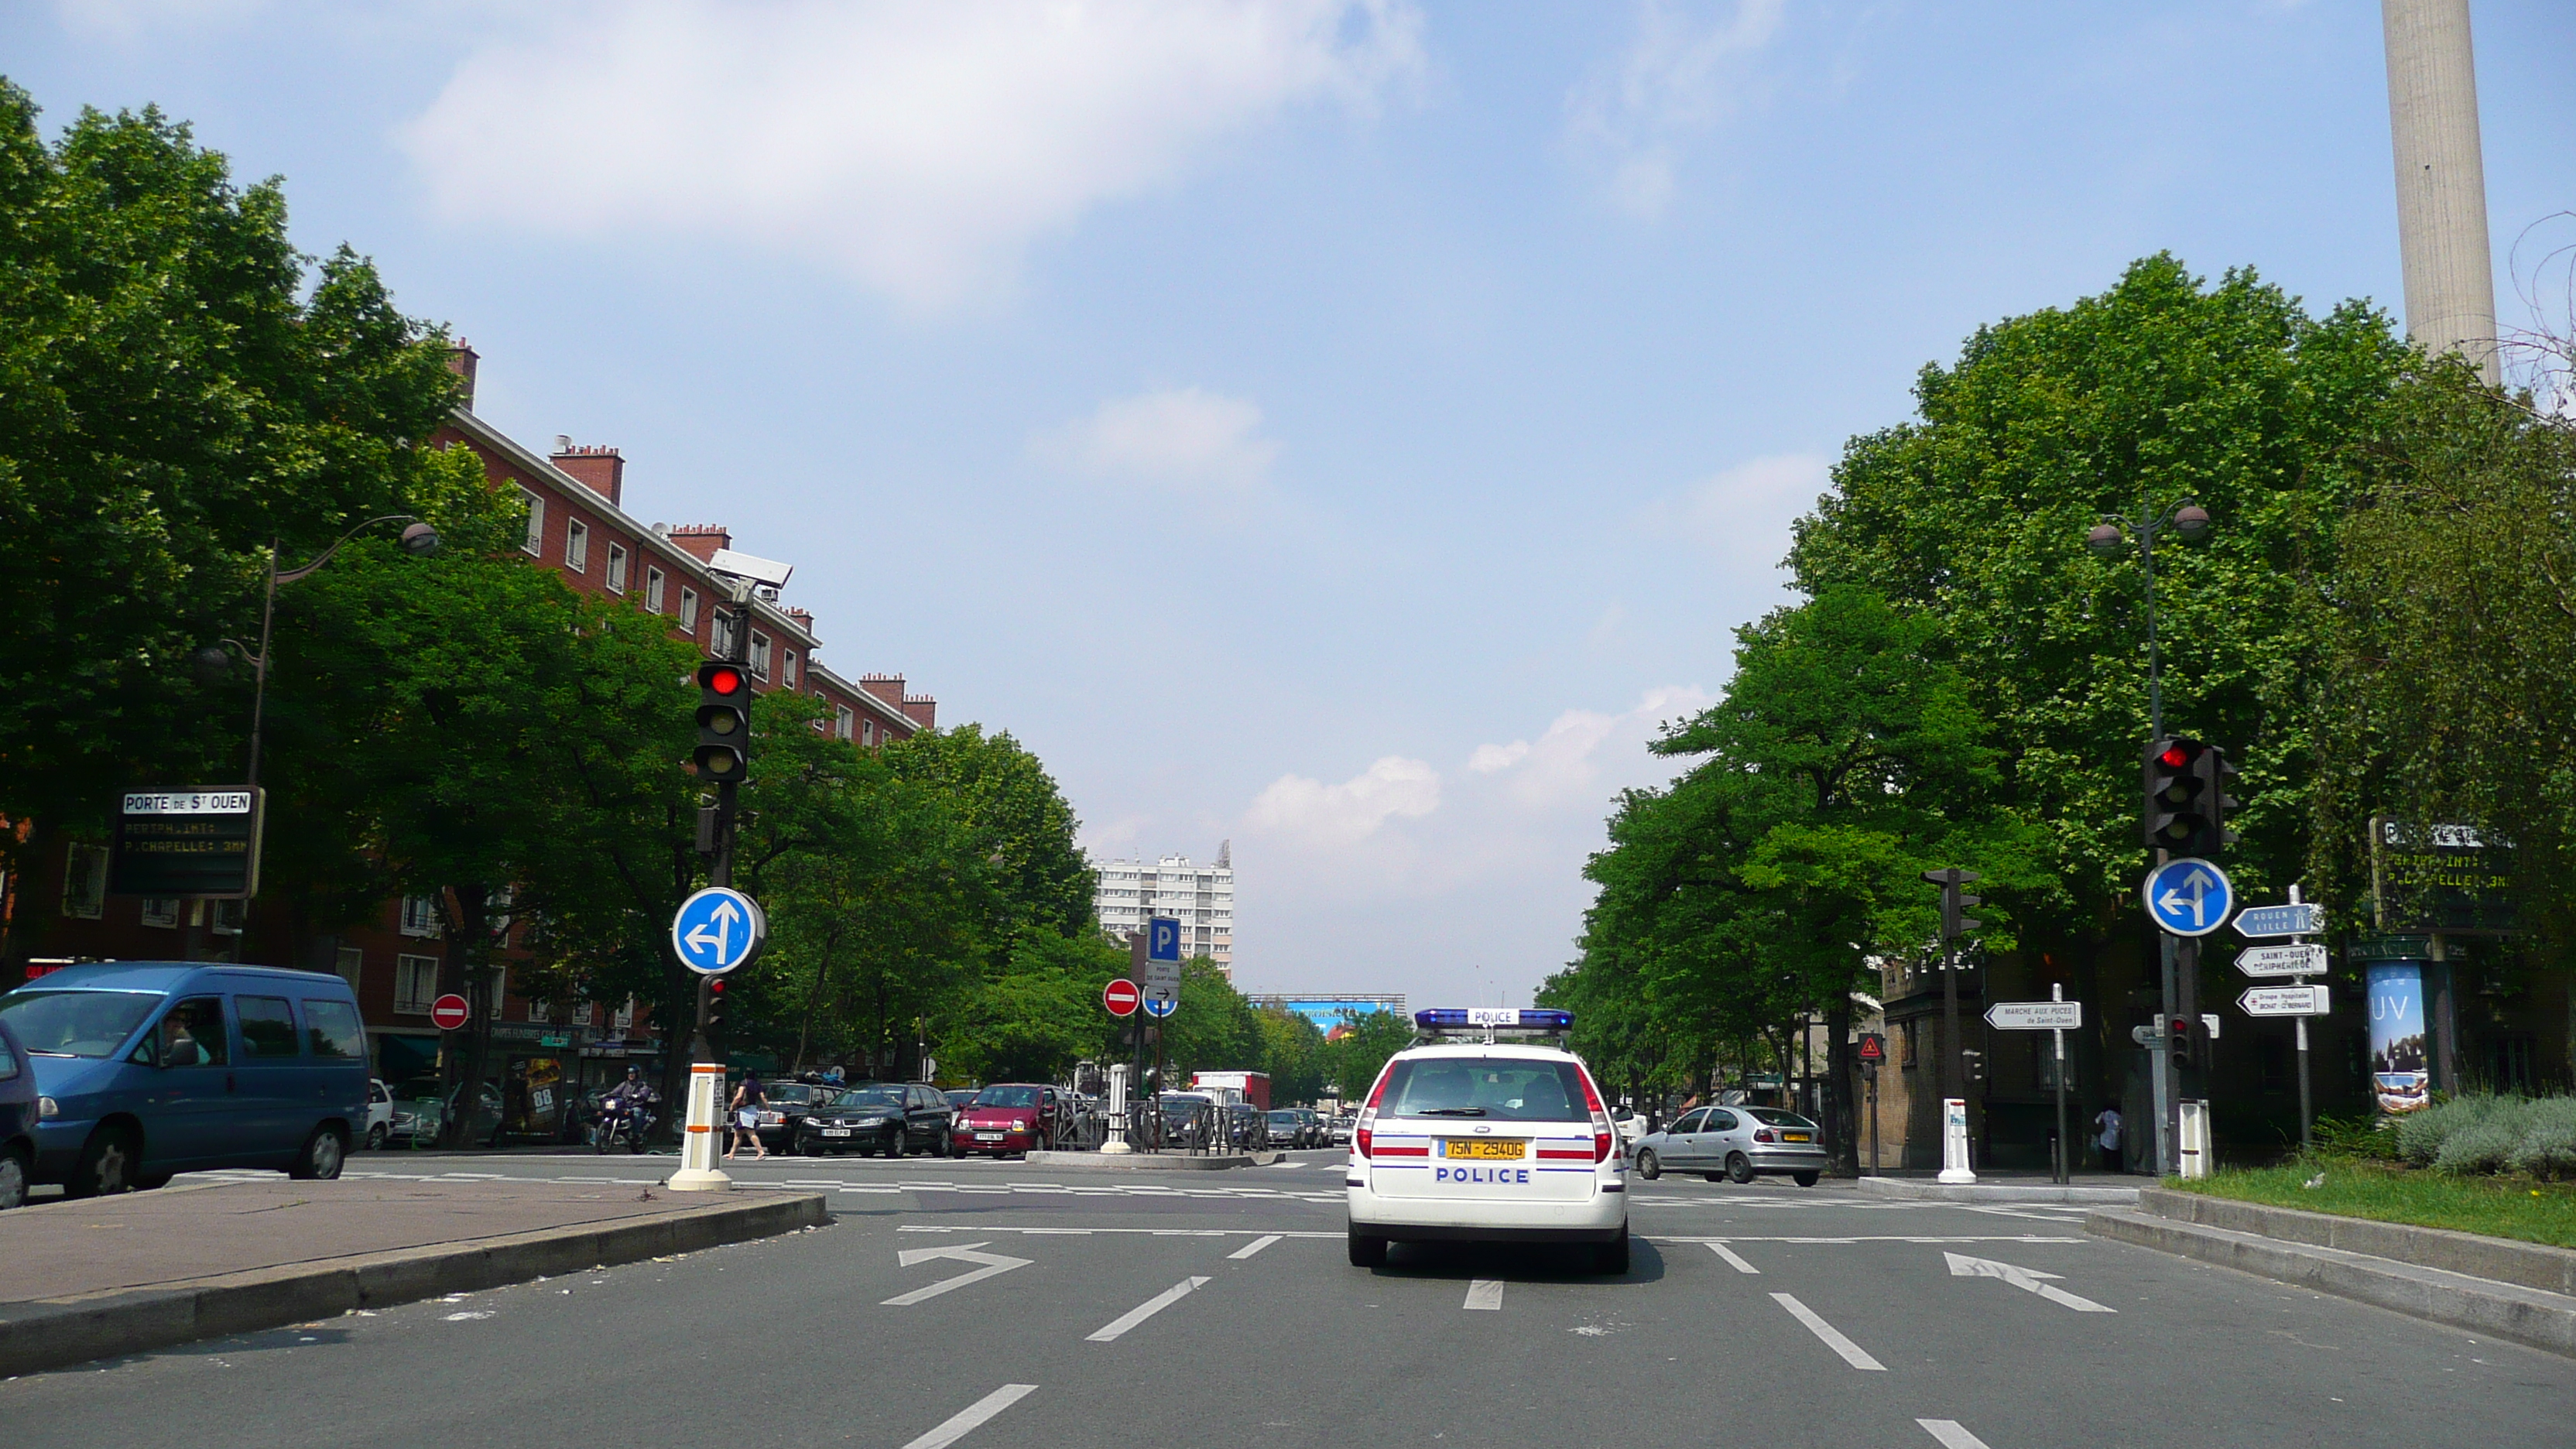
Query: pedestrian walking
x,y
748,1099
2106,1130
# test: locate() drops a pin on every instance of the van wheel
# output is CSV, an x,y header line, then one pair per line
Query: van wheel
x,y
1367,1250
13,1180
1649,1166
1612,1257
1739,1168
106,1165
1805,1179
322,1154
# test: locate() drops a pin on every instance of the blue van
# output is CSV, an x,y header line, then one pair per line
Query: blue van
x,y
148,1068
17,1120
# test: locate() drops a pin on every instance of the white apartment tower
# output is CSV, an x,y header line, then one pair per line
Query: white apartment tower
x,y
1200,897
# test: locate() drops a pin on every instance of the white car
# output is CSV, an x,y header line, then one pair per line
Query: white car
x,y
380,1113
1473,1138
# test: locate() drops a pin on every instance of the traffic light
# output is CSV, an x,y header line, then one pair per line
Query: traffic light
x,y
2179,1042
1954,919
711,1006
2179,816
724,723
1975,1063
2217,777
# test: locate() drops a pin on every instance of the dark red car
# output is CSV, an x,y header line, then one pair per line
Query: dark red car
x,y
1007,1117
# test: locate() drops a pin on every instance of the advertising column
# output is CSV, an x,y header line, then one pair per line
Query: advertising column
x,y
2399,1071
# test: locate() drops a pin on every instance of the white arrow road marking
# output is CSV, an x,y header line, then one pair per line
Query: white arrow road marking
x,y
2025,1279
1852,1353
995,1265
1147,1309
1740,1266
1255,1246
1485,1294
1951,1435
965,1421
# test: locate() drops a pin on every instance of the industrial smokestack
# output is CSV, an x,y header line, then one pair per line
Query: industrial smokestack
x,y
2441,182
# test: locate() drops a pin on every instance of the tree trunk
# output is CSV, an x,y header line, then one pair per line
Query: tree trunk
x,y
1842,1136
466,963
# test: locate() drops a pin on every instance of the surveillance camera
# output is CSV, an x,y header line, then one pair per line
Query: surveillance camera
x,y
769,572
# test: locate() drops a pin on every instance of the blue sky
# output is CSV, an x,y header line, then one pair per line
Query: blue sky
x,y
1343,428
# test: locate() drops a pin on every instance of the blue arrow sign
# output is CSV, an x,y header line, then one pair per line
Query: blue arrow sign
x,y
2188,897
717,930
2305,918
1162,1006
1163,939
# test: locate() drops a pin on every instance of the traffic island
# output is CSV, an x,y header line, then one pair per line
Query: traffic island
x,y
2105,1191
97,1277
1155,1161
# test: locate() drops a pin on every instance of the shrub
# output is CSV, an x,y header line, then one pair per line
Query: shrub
x,y
2420,1134
2368,1136
2487,1141
2547,1147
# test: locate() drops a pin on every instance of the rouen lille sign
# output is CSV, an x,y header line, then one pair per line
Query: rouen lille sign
x,y
195,842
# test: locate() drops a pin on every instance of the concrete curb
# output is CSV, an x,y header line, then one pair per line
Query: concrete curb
x,y
2533,1265
1153,1161
2509,1311
43,1335
1914,1189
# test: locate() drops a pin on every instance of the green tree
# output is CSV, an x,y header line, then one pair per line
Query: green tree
x,y
1360,1049
1015,816
1292,1052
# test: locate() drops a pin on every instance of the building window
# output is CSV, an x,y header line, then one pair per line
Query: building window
x,y
228,917
161,911
787,668
577,546
535,542
844,721
759,655
420,916
616,569
652,590
868,734
415,984
351,963
689,611
85,882
720,634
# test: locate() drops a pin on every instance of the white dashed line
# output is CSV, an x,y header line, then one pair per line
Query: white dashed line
x,y
1740,1266
1485,1294
1110,1331
1832,1337
968,1419
1255,1246
1951,1435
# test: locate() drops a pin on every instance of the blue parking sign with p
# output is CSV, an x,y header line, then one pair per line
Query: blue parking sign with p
x,y
1163,939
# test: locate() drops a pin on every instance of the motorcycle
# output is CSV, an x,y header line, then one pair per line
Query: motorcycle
x,y
627,1121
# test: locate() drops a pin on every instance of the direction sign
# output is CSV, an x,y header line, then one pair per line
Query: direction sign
x,y
449,1012
2036,1015
2188,897
2282,960
1121,996
2301,918
199,842
717,930
1161,1006
2284,1001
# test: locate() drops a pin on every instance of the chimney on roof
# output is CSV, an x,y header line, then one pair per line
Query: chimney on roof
x,y
804,619
700,540
601,470
922,709
461,360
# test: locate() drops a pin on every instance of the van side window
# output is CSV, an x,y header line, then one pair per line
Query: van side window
x,y
268,1026
193,1034
8,1065
332,1032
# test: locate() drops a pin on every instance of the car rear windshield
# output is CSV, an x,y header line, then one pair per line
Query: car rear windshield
x,y
1007,1097
76,1023
1284,1117
871,1097
1490,1089
1774,1117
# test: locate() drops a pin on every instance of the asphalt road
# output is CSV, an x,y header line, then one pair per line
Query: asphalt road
x,y
1193,1309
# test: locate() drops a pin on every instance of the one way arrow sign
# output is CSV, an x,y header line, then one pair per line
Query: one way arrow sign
x,y
2025,1279
995,1265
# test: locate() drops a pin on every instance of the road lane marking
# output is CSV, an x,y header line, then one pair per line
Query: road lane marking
x,y
967,1420
1951,1435
1485,1294
1852,1353
1131,1232
1147,1309
1845,1242
1255,1246
995,1265
1741,1266
2025,1279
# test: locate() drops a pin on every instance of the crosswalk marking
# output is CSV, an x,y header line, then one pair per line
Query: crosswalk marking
x,y
1832,1337
1485,1294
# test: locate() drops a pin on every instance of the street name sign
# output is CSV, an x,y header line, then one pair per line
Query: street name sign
x,y
717,930
2284,1001
449,1012
196,842
2188,897
2282,960
2036,1015
2303,918
1121,996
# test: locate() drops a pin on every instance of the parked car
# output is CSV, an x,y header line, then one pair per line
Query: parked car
x,y
1008,1117
788,1105
1735,1144
959,1097
421,1112
1286,1128
17,1121
1246,1127
145,1069
882,1118
380,1114
1341,1128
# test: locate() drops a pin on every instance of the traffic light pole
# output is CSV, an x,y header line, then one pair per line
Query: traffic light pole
x,y
703,1129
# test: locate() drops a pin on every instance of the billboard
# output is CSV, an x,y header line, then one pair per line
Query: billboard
x,y
1329,1013
2399,1071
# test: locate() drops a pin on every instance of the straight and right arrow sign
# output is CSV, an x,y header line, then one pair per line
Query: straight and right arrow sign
x,y
2284,1001
2282,960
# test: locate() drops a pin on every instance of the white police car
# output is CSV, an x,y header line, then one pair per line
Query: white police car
x,y
1467,1136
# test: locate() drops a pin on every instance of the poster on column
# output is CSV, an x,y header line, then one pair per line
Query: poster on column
x,y
2398,1067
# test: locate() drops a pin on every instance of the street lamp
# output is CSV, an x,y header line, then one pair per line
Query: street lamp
x,y
2110,536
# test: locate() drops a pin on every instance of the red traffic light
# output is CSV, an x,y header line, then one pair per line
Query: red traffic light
x,y
715,986
721,679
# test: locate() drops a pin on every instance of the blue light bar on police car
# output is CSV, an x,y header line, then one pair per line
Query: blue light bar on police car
x,y
1505,1018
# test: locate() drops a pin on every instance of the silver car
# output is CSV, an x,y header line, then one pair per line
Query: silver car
x,y
1735,1144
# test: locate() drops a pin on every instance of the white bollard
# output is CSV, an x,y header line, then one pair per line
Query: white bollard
x,y
1117,1140
698,1171
2195,1138
1954,1141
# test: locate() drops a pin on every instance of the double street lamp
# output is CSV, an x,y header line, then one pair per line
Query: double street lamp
x,y
2113,534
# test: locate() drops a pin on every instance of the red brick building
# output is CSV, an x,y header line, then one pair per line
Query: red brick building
x,y
577,526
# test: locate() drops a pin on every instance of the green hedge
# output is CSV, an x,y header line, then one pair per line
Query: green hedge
x,y
2480,1134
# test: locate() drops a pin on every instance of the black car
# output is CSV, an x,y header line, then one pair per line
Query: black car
x,y
1289,1129
877,1118
783,1112
17,1120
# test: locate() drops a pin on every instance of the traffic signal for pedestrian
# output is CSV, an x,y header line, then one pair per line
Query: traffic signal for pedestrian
x,y
724,723
2181,817
711,1005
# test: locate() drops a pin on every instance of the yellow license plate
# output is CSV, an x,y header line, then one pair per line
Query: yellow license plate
x,y
1797,1136
1487,1147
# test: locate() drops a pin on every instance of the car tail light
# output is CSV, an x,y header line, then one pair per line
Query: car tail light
x,y
1361,1133
1604,1135
1763,1134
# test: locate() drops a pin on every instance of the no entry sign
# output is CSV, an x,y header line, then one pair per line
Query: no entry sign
x,y
1121,996
449,1012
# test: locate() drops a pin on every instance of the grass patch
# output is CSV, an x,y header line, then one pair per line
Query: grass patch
x,y
2500,1207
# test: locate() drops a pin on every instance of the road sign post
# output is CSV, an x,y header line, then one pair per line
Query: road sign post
x,y
2057,1016
1121,997
2299,1001
1873,1051
2299,959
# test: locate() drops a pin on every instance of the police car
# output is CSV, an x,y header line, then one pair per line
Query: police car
x,y
1469,1136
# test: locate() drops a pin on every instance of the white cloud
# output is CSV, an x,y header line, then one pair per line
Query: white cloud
x,y
1565,764
918,147
1743,513
1684,73
1180,437
1318,814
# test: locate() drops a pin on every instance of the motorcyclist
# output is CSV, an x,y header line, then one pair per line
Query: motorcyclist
x,y
633,1095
